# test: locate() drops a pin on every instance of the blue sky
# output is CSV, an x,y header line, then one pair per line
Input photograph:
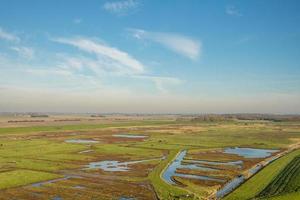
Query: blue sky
x,y
150,56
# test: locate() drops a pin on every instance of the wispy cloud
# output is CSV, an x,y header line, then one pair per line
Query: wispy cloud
x,y
98,67
161,82
233,11
109,61
94,62
120,7
25,52
180,44
110,57
77,21
8,36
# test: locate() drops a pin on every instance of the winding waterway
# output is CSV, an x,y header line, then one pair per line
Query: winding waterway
x,y
170,172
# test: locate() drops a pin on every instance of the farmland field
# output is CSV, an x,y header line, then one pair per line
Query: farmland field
x,y
129,158
286,182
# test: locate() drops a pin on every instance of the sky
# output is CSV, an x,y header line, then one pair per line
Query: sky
x,y
150,56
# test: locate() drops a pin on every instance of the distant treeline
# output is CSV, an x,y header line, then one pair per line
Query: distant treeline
x,y
38,115
234,117
211,118
20,121
67,120
97,115
269,117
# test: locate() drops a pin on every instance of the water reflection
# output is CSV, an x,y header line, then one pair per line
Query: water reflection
x,y
250,152
39,184
129,136
115,166
230,186
81,141
176,164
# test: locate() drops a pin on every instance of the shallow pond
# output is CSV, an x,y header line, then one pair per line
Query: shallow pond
x,y
250,152
81,141
272,159
230,186
129,136
86,151
176,164
126,198
192,176
255,169
196,167
57,198
78,187
115,166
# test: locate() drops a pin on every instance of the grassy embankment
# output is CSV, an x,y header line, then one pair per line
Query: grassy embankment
x,y
288,181
252,187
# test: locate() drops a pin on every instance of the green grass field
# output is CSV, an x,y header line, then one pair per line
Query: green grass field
x,y
288,181
39,153
23,177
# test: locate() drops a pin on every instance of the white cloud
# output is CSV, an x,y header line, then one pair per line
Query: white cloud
x,y
109,57
233,11
69,62
80,63
95,63
76,64
25,52
109,61
99,67
8,36
120,7
180,44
